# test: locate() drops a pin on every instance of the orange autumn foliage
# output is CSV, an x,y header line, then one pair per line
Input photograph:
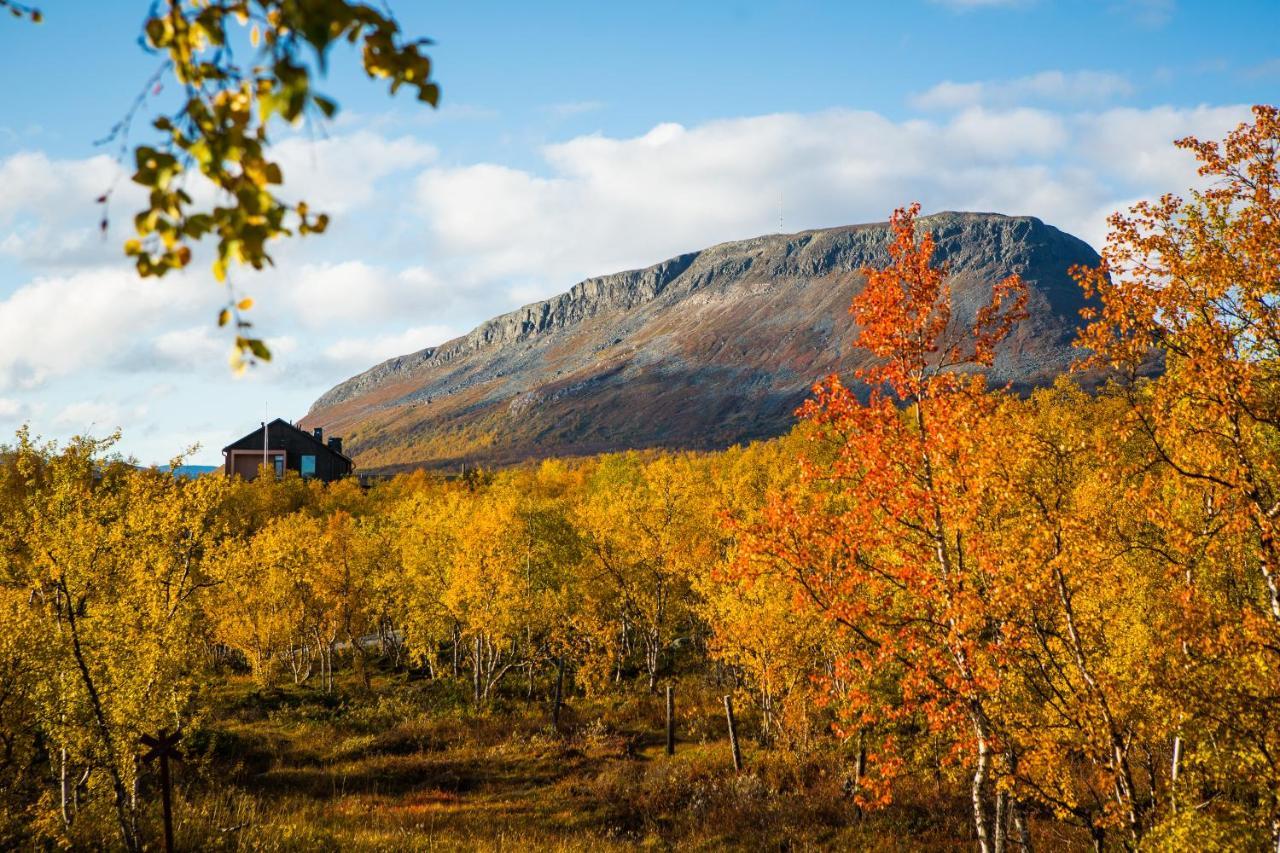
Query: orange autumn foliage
x,y
888,542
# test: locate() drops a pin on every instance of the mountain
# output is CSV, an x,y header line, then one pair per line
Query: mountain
x,y
700,351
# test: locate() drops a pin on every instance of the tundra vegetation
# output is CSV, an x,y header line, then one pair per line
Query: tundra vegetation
x,y
947,615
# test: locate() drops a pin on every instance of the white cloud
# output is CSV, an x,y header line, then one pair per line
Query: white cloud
x,y
97,417
48,211
1003,136
12,411
361,353
346,294
191,348
91,319
608,203
36,185
1136,145
50,221
1071,87
337,174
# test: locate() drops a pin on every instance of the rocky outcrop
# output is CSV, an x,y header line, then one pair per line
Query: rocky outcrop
x,y
701,351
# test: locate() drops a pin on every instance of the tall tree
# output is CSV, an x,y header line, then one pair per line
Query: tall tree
x,y
889,543
1193,285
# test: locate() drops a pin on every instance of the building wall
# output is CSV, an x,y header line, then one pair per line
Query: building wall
x,y
246,462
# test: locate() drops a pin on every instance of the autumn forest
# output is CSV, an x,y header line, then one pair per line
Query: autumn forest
x,y
945,614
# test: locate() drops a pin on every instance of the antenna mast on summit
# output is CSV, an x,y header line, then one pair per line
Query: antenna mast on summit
x,y
779,211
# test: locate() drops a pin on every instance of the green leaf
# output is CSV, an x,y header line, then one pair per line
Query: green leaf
x,y
326,105
258,348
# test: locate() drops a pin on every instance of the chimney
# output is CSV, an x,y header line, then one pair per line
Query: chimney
x,y
335,444
318,432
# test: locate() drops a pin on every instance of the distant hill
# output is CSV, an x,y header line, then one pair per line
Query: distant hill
x,y
700,351
193,471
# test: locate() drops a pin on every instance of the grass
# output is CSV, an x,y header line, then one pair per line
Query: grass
x,y
409,766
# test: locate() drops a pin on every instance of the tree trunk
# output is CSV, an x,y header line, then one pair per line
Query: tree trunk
x,y
559,695
860,765
1173,773
1001,821
478,680
1020,824
1016,810
652,652
361,659
979,780
62,785
455,649
328,666
733,733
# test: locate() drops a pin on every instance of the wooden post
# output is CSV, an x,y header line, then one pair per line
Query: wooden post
x,y
671,720
164,746
559,695
733,733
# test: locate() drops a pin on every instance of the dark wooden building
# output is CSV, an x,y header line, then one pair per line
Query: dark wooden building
x,y
287,448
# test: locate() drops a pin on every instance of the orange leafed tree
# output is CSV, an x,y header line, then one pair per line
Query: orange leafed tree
x,y
887,541
1194,284
1197,282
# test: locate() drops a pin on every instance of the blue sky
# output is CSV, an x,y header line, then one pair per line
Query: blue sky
x,y
575,139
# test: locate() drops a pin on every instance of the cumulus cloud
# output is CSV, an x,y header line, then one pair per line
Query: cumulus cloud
x,y
189,348
48,214
12,411
363,352
90,319
323,296
1135,146
96,416
49,220
1070,87
608,203
340,173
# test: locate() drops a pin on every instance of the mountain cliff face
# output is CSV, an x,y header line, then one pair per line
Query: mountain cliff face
x,y
701,351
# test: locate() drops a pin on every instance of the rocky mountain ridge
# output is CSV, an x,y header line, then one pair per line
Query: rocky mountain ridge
x,y
702,350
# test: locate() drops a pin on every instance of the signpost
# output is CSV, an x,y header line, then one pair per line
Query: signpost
x,y
164,746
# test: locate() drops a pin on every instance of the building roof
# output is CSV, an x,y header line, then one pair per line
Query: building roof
x,y
281,422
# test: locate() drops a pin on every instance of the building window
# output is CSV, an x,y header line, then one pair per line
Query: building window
x,y
308,466
279,460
